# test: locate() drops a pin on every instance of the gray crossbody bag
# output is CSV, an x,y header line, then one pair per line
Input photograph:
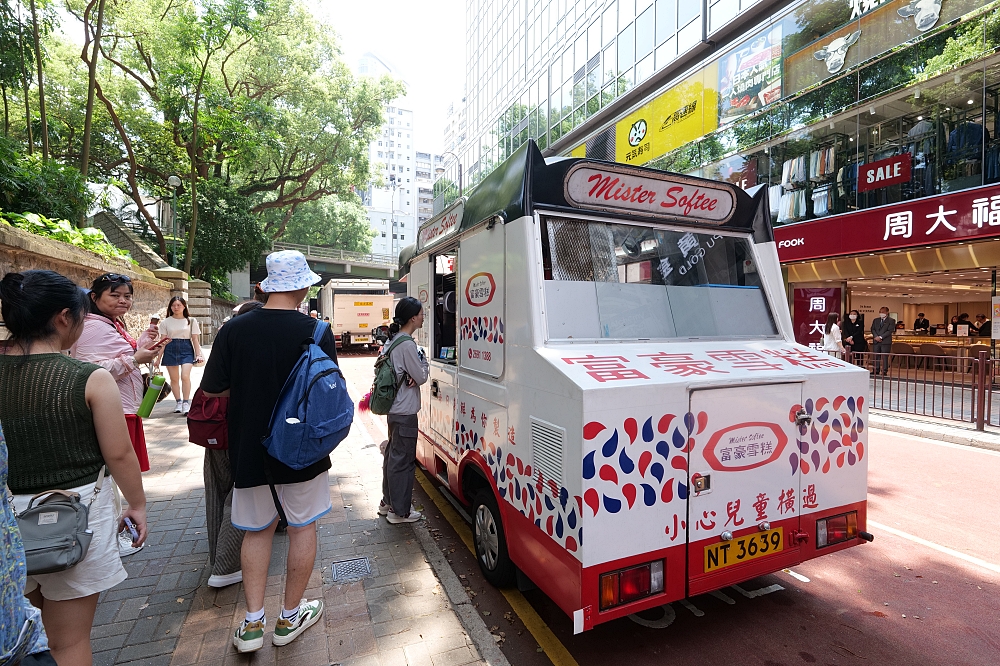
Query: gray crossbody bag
x,y
54,530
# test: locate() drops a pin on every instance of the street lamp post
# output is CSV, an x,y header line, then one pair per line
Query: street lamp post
x,y
173,183
392,214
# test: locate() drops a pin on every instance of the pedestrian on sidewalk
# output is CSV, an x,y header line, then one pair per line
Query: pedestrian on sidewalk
x,y
64,424
832,343
21,632
252,357
106,341
182,352
400,457
224,539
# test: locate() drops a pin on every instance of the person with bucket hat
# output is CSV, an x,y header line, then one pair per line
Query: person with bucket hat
x,y
251,359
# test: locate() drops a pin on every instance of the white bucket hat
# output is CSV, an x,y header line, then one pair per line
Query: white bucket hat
x,y
287,270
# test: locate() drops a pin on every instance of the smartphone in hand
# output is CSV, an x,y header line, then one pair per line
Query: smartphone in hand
x,y
133,532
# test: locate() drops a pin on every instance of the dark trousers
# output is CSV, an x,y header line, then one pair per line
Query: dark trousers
x,y
399,463
881,350
224,540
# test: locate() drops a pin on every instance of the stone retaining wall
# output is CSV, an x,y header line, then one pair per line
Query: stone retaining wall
x,y
22,251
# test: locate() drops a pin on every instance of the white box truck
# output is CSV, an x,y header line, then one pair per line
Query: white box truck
x,y
360,311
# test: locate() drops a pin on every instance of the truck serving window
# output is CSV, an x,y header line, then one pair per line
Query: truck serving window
x,y
444,308
630,282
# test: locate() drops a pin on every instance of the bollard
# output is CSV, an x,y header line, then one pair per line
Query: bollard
x,y
981,391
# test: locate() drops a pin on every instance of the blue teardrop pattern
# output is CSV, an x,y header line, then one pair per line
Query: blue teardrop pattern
x,y
571,519
657,470
589,468
559,526
611,445
625,463
648,495
682,491
563,497
678,439
647,430
612,505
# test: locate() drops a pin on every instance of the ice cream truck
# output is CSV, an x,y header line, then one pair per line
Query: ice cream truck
x,y
615,391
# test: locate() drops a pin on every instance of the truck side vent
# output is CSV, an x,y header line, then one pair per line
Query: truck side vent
x,y
547,442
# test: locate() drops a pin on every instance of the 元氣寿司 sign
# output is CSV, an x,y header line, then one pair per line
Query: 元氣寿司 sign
x,y
669,195
961,216
441,227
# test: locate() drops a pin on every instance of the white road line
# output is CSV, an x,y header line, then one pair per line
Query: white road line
x,y
796,576
722,596
757,593
995,568
691,607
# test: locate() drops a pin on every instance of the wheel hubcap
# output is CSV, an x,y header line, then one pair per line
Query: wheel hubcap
x,y
487,540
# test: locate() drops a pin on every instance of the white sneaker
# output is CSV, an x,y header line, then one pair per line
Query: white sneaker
x,y
412,518
179,407
185,407
383,508
225,580
125,547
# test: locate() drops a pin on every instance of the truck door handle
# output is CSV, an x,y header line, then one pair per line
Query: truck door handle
x,y
802,418
434,388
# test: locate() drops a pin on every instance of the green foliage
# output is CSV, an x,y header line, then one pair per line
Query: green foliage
x,y
47,188
229,235
88,238
332,222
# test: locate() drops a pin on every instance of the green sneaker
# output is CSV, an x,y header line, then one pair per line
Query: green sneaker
x,y
249,637
309,612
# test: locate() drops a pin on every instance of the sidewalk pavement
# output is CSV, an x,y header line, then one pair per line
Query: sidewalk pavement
x,y
164,613
954,432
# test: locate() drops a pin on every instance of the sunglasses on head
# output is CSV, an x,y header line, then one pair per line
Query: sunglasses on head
x,y
114,277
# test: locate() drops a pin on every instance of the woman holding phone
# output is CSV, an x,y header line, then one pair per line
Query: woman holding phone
x,y
106,342
182,352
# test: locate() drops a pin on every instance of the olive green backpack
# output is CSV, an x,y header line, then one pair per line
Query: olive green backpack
x,y
386,385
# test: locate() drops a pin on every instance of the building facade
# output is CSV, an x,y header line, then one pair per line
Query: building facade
x,y
391,202
873,124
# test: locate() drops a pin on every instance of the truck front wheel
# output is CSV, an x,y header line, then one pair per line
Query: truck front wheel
x,y
491,541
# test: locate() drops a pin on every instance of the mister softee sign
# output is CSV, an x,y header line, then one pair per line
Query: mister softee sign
x,y
671,196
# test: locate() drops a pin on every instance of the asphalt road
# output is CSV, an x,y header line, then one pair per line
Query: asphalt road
x,y
927,591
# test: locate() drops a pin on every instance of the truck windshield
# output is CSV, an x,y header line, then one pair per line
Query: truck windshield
x,y
629,282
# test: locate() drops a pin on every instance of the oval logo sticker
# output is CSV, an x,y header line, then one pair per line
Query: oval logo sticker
x,y
745,446
479,289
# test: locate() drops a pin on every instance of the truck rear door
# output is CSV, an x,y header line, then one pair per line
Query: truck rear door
x,y
743,473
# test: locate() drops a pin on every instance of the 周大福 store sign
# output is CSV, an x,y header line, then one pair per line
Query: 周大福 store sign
x,y
882,173
948,218
677,197
441,227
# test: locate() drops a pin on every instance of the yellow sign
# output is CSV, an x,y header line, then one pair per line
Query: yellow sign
x,y
579,151
684,113
385,313
362,325
361,304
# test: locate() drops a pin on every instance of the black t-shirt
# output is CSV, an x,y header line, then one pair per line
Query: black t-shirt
x,y
252,357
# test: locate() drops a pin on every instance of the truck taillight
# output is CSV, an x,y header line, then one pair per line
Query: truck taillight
x,y
625,585
836,529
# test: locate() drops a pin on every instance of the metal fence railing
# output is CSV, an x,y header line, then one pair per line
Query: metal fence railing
x,y
317,252
959,388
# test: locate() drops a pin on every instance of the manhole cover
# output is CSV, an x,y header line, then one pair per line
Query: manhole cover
x,y
351,569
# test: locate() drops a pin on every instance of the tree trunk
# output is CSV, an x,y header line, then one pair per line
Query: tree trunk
x,y
41,84
24,83
193,152
6,112
91,84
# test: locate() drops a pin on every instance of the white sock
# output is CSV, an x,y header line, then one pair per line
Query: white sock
x,y
290,615
254,617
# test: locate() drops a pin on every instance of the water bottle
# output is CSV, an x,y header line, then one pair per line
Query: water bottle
x,y
156,383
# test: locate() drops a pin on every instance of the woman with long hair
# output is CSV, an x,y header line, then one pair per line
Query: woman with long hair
x,y
65,426
400,458
831,335
182,352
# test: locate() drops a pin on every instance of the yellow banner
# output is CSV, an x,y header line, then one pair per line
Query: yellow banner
x,y
680,115
361,304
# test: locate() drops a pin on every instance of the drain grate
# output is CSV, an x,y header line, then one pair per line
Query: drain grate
x,y
351,569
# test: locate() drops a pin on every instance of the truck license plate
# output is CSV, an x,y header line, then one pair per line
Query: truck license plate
x,y
743,549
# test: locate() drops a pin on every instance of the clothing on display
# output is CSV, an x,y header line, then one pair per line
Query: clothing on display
x,y
774,199
822,163
794,173
822,201
792,206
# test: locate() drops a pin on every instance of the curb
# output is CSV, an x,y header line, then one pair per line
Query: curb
x,y
462,605
933,430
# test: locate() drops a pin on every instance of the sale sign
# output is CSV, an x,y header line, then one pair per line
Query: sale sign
x,y
882,173
812,305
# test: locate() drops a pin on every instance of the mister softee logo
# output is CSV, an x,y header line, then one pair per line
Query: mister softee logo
x,y
479,289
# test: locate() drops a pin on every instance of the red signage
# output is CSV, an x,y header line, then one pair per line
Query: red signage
x,y
479,290
890,171
667,195
812,305
948,218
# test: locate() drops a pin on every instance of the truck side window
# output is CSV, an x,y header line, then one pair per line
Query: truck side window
x,y
445,328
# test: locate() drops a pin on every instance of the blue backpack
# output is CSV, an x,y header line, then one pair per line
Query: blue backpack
x,y
314,411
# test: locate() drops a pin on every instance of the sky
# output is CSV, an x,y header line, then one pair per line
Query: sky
x,y
423,39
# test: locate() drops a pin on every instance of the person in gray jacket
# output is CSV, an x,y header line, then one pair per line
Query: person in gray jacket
x,y
882,330
400,458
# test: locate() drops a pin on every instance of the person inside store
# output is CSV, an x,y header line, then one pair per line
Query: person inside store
x,y
832,343
854,333
983,326
953,326
920,325
882,330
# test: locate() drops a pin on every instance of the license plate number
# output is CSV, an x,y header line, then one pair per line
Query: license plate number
x,y
743,549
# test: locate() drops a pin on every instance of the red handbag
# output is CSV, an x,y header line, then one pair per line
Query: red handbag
x,y
207,423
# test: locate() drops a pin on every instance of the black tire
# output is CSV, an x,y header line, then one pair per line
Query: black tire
x,y
491,541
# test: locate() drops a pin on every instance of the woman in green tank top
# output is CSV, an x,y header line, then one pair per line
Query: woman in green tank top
x,y
63,422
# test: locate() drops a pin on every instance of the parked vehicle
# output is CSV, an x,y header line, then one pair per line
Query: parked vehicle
x,y
616,393
361,311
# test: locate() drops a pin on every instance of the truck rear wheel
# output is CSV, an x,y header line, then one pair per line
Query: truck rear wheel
x,y
491,540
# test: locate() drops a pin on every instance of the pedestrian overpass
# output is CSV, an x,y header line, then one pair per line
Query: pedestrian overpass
x,y
332,263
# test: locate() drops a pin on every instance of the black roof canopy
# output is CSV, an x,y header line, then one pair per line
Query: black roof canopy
x,y
525,182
